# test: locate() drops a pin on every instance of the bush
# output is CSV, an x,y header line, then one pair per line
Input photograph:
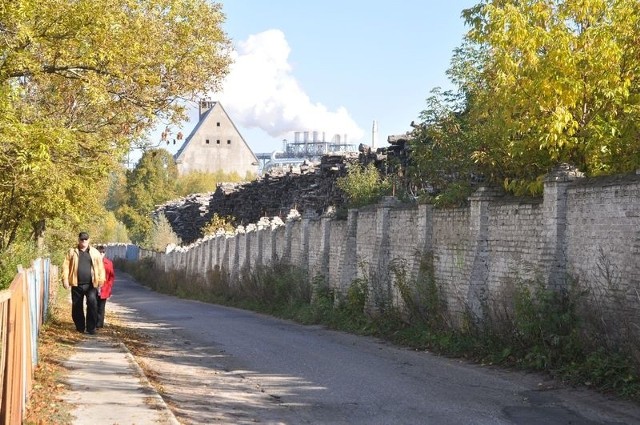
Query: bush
x,y
18,253
162,235
363,185
217,223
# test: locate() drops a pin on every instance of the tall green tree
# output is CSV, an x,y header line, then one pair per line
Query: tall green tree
x,y
80,80
442,167
151,183
161,235
551,81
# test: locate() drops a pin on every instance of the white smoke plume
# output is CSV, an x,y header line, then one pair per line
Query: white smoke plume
x,y
261,92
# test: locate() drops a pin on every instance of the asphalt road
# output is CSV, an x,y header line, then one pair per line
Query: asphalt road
x,y
216,364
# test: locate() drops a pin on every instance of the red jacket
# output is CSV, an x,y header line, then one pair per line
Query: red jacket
x,y
105,291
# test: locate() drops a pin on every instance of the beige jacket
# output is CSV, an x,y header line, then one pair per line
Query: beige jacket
x,y
70,268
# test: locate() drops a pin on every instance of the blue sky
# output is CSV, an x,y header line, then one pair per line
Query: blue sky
x,y
334,66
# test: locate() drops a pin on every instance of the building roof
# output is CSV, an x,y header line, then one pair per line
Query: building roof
x,y
201,121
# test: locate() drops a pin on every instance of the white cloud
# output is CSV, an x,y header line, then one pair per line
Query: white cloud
x,y
261,92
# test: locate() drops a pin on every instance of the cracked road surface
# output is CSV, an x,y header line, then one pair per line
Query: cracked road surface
x,y
220,365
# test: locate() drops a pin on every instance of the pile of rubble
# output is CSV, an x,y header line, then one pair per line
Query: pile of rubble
x,y
310,186
187,215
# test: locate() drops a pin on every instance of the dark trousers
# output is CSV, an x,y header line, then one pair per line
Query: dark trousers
x,y
78,294
102,302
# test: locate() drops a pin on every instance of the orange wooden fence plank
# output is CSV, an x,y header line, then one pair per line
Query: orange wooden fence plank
x,y
17,331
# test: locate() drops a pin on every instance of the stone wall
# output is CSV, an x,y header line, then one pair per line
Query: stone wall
x,y
582,229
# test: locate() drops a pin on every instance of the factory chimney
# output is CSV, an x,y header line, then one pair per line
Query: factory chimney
x,y
374,135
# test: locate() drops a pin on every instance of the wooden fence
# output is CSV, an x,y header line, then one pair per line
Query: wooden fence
x,y
23,308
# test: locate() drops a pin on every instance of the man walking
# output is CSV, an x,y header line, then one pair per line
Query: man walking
x,y
83,270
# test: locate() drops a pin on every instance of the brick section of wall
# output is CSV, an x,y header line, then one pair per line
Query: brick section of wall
x,y
451,244
365,242
515,242
603,227
405,248
340,259
315,249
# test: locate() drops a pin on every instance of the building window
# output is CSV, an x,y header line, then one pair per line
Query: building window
x,y
207,141
218,141
228,142
218,124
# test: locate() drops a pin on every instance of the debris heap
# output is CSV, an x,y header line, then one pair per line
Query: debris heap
x,y
310,186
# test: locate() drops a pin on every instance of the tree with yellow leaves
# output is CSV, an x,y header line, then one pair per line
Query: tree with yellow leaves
x,y
80,80
549,82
